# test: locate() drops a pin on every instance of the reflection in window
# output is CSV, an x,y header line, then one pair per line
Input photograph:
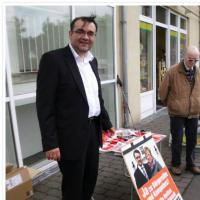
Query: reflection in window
x,y
108,93
10,146
33,30
182,45
147,11
183,24
103,46
173,19
29,132
173,47
6,87
146,57
160,14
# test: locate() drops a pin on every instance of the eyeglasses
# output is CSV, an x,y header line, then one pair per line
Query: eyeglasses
x,y
193,60
81,32
137,157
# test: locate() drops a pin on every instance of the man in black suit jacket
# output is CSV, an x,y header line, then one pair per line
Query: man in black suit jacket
x,y
142,173
71,110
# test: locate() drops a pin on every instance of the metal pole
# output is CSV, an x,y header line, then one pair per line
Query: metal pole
x,y
124,63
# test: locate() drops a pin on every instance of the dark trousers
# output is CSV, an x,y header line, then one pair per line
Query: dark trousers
x,y
176,125
79,176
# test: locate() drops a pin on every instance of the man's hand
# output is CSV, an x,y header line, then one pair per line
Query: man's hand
x,y
112,129
53,154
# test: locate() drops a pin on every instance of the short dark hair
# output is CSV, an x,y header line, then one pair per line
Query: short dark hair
x,y
136,151
84,19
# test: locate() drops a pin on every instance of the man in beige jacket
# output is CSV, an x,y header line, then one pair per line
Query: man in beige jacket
x,y
180,92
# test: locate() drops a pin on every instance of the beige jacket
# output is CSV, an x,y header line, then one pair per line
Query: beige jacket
x,y
175,92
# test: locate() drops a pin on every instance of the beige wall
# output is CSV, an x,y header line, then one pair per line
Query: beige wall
x,y
183,10
133,62
133,38
193,29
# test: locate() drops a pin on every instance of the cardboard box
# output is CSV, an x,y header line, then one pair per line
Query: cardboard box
x,y
18,183
9,168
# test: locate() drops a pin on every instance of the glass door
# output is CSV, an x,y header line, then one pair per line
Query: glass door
x,y
161,67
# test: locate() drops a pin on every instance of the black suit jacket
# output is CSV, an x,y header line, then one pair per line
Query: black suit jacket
x,y
140,178
62,105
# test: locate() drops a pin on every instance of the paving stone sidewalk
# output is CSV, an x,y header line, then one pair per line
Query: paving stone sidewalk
x,y
112,183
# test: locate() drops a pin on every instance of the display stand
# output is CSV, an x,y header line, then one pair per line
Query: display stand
x,y
112,144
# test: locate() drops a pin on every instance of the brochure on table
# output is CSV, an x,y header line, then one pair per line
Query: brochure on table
x,y
148,171
113,142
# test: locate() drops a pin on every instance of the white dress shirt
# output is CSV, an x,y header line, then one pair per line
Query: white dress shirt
x,y
89,82
143,170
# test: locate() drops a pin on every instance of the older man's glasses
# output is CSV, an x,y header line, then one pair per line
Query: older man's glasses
x,y
81,32
193,60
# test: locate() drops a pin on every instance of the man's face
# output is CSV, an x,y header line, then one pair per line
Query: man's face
x,y
148,156
138,158
82,36
191,58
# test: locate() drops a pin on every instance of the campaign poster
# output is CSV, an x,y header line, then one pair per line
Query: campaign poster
x,y
148,171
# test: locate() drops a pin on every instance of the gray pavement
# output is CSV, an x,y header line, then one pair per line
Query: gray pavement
x,y
192,192
112,183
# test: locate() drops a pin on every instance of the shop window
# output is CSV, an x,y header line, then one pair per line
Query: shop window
x,y
147,11
146,57
33,30
108,93
160,14
173,47
161,67
173,19
10,145
29,132
6,87
183,24
103,47
182,45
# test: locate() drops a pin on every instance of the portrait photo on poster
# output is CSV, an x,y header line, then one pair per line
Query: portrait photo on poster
x,y
143,162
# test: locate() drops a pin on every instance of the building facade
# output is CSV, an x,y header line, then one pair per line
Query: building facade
x,y
138,43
